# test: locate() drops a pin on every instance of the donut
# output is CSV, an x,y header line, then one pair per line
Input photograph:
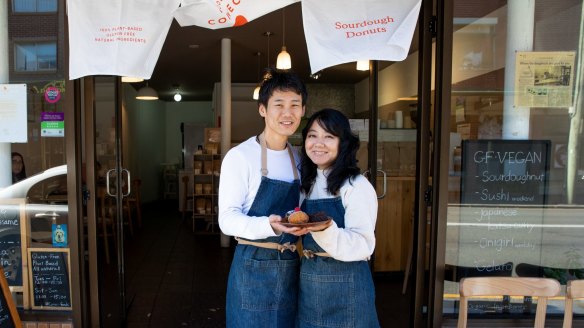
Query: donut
x,y
297,216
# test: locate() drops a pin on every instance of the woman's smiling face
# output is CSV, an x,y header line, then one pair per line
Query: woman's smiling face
x,y
322,147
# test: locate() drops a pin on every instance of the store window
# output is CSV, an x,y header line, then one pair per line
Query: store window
x,y
34,6
516,189
36,56
36,236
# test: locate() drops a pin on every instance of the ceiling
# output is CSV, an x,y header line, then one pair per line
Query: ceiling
x,y
191,56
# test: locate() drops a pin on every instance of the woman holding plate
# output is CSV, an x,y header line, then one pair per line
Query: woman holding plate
x,y
336,287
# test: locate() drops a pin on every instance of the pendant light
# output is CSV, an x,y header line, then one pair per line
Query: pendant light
x,y
256,91
284,61
131,79
147,93
363,65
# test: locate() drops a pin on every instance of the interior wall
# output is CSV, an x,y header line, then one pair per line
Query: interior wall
x,y
146,129
199,112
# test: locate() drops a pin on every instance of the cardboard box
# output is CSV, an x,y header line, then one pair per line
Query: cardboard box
x,y
208,167
468,130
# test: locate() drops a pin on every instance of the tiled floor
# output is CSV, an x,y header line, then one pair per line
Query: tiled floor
x,y
176,278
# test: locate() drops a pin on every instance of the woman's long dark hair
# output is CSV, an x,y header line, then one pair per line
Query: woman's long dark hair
x,y
345,165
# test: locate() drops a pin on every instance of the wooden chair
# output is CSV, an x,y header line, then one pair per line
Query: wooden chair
x,y
514,286
133,203
574,290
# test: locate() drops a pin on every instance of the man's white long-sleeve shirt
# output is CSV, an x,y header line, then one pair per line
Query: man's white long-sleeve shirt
x,y
240,179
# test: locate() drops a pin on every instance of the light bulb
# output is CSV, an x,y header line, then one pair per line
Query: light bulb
x,y
284,61
177,97
256,93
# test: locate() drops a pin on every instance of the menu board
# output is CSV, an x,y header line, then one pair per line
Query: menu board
x,y
8,314
504,171
12,240
50,278
503,190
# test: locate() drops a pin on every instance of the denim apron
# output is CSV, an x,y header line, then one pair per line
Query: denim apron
x,y
262,289
333,293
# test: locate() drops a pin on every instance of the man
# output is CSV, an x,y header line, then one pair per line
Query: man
x,y
259,184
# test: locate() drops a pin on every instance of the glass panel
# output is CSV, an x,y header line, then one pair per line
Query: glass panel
x,y
25,57
47,56
24,5
38,195
47,5
516,185
29,6
36,57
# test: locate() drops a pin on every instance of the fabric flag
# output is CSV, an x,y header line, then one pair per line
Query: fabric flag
x,y
342,31
113,37
214,14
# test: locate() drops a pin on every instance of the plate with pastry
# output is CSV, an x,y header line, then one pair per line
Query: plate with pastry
x,y
299,218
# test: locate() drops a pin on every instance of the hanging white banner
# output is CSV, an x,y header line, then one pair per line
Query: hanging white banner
x,y
214,15
113,37
342,31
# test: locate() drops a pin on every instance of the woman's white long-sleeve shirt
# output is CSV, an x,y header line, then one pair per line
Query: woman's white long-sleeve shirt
x,y
240,179
356,241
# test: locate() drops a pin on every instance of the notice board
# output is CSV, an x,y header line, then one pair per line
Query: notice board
x,y
9,317
503,192
13,242
50,278
505,172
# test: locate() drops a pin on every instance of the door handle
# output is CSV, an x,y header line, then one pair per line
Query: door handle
x,y
367,173
107,182
128,182
384,184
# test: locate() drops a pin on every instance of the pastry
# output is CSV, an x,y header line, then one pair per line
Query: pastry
x,y
297,216
318,217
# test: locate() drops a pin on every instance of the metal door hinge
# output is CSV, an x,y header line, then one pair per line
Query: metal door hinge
x,y
432,26
428,196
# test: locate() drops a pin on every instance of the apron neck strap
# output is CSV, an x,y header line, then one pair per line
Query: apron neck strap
x,y
263,143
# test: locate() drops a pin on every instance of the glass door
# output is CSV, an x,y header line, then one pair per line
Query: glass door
x,y
108,185
399,103
513,164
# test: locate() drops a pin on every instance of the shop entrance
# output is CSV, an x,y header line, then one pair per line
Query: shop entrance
x,y
181,278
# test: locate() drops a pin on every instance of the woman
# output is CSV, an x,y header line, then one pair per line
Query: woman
x,y
18,169
336,288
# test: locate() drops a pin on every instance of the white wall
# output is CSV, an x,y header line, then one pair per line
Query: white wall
x,y
395,81
199,112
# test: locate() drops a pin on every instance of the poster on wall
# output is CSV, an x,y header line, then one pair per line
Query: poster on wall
x,y
52,124
544,79
13,113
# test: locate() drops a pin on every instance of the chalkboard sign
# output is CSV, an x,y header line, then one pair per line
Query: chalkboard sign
x,y
503,190
9,317
13,242
505,172
50,278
